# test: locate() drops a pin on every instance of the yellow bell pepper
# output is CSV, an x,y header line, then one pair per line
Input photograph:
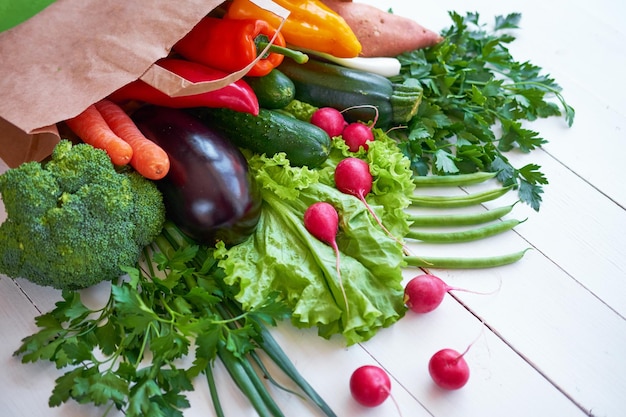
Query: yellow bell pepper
x,y
311,24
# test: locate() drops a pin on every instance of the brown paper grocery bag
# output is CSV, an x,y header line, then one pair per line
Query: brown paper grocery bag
x,y
17,146
76,52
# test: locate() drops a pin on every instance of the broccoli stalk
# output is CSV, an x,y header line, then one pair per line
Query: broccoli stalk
x,y
74,220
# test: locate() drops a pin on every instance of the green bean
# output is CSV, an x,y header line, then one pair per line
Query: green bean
x,y
464,263
461,219
453,180
469,235
465,200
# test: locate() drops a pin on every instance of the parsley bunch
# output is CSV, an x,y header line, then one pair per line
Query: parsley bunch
x,y
473,88
128,354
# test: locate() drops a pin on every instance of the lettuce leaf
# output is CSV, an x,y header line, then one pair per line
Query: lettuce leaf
x,y
282,256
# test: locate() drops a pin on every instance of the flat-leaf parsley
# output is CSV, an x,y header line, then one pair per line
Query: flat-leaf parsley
x,y
476,96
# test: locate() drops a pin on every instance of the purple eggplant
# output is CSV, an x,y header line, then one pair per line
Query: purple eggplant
x,y
208,192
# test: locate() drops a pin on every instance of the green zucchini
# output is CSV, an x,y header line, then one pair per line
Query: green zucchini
x,y
274,90
324,84
269,133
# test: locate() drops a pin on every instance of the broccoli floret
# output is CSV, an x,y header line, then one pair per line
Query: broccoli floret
x,y
75,221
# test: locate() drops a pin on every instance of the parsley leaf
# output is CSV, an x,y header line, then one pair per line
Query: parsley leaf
x,y
476,100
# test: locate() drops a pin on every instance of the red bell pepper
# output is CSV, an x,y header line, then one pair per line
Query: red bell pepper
x,y
232,44
237,96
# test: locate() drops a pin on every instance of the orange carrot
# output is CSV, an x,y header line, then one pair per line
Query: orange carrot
x,y
94,130
149,159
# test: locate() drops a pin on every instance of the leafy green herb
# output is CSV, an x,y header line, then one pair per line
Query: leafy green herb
x,y
476,98
127,355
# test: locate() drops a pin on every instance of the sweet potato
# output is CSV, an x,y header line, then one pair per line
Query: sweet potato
x,y
382,33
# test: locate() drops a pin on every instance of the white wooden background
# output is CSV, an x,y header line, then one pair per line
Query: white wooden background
x,y
554,336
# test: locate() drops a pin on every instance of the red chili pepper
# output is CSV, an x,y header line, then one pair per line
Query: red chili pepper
x,y
237,96
232,44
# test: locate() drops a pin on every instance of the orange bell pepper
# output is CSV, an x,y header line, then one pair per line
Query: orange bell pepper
x,y
311,25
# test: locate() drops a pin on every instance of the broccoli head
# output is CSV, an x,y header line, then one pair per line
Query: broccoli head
x,y
74,220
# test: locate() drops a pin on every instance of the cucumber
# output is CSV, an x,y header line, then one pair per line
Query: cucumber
x,y
269,133
325,84
274,90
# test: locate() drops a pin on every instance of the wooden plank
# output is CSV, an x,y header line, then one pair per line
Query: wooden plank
x,y
562,306
501,382
328,365
588,240
556,325
26,387
586,148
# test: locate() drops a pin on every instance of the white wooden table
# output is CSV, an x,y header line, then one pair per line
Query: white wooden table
x,y
554,336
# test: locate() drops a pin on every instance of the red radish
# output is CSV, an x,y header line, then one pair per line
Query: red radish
x,y
448,369
356,135
352,176
370,385
329,120
322,221
424,293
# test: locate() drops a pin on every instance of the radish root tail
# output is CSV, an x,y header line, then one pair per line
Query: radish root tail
x,y
405,249
340,280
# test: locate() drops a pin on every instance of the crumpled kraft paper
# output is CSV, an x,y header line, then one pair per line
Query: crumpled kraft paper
x,y
76,52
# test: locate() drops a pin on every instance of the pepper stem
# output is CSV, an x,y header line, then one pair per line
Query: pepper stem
x,y
262,41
